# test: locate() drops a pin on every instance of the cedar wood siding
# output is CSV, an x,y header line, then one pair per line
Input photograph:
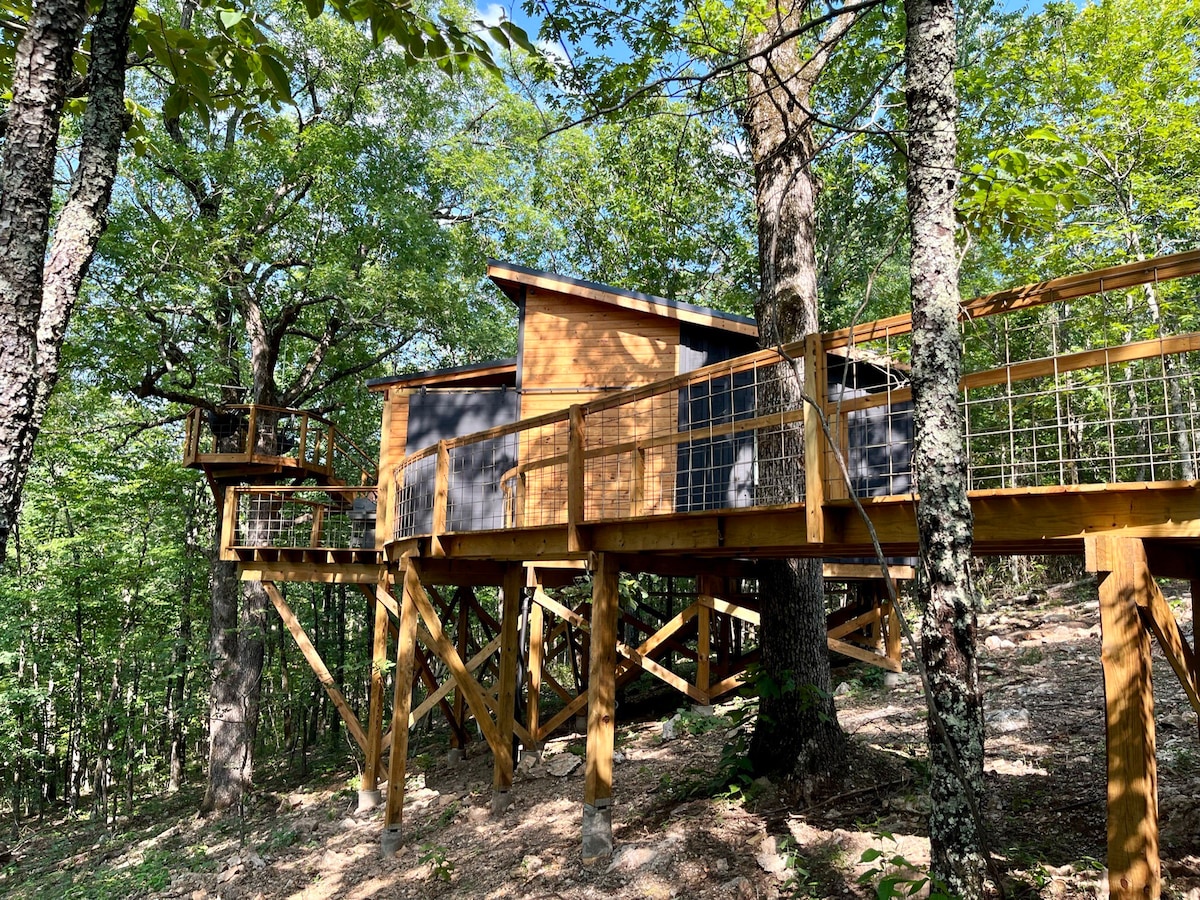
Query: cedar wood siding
x,y
570,350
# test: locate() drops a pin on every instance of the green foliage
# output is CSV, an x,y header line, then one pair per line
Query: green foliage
x,y
441,867
692,722
894,876
761,684
1023,189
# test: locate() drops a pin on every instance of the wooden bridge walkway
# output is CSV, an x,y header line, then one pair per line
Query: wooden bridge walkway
x,y
1081,400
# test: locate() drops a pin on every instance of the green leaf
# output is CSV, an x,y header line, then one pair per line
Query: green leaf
x,y
277,75
174,105
231,17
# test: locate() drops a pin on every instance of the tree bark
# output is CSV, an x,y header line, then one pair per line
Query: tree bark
x,y
41,71
943,512
236,636
84,217
797,731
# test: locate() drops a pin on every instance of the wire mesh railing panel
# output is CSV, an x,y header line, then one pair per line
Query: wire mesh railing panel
x,y
538,491
1129,421
477,472
869,413
304,518
414,497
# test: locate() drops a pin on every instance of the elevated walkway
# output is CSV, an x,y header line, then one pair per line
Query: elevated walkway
x,y
1081,399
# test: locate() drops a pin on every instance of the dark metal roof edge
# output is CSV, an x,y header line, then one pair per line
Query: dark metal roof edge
x,y
453,370
622,292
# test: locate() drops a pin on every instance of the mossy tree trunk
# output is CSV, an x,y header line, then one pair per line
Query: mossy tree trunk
x,y
943,511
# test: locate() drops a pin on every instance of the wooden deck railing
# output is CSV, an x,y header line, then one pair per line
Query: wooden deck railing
x,y
270,435
1085,379
311,519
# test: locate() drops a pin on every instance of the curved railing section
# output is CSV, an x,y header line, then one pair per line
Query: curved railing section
x,y
1086,379
256,434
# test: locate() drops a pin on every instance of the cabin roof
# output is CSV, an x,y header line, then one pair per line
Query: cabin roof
x,y
493,373
511,278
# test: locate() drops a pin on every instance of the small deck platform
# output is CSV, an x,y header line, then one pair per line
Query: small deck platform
x,y
261,444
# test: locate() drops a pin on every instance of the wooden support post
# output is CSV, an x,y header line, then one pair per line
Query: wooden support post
x,y
229,520
576,482
814,440
892,635
537,635
441,499
303,449
252,434
458,749
385,495
1195,585
706,586
318,522
316,664
406,652
504,756
601,705
1133,863
368,796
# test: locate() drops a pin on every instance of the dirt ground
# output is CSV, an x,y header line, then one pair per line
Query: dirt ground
x,y
685,824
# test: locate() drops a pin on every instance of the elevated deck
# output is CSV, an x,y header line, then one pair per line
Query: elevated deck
x,y
257,443
1081,398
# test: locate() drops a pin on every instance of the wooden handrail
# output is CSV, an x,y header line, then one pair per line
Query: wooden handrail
x,y
335,443
1068,287
1040,368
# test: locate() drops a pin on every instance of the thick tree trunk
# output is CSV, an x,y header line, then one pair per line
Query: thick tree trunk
x,y
797,731
237,631
42,69
943,512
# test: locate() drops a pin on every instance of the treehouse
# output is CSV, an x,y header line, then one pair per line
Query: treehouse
x,y
637,435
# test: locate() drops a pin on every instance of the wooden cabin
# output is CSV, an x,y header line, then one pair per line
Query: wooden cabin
x,y
576,341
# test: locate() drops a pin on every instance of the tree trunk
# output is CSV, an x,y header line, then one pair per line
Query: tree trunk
x,y
943,512
237,641
41,71
797,731
236,648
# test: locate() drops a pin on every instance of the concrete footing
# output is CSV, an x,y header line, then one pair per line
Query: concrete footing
x,y
581,724
891,679
597,832
390,842
368,800
501,800
455,755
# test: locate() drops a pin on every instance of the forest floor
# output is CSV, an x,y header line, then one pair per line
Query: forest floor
x,y
681,829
